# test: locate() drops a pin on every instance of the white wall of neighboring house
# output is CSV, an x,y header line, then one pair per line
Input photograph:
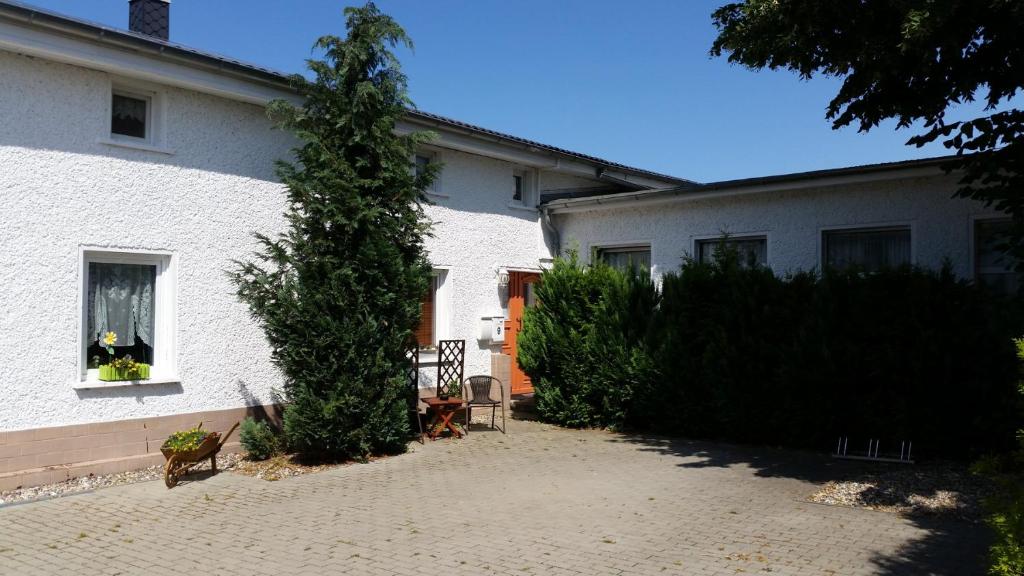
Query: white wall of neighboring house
x,y
793,221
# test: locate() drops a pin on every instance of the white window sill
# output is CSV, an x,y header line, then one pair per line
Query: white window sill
x,y
428,358
522,208
134,145
91,384
437,195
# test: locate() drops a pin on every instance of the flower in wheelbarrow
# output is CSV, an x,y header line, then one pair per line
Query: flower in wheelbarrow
x,y
110,338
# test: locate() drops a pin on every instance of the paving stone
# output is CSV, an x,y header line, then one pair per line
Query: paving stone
x,y
539,500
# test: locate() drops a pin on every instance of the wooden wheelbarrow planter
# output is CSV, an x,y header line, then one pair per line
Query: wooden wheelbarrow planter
x,y
180,462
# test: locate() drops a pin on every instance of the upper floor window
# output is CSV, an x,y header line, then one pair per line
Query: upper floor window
x,y
522,188
421,161
625,257
752,250
992,266
130,115
867,249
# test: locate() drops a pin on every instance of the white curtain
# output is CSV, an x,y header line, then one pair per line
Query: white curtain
x,y
623,259
121,301
752,251
868,250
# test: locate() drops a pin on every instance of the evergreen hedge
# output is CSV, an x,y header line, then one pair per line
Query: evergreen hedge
x,y
732,352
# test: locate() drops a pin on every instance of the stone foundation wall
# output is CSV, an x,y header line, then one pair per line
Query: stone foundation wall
x,y
47,455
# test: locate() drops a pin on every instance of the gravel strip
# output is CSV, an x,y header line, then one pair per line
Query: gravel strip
x,y
93,482
947,490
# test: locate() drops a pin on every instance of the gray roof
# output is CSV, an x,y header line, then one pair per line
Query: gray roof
x,y
157,47
693,188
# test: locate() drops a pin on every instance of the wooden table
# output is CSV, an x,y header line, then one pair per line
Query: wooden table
x,y
444,411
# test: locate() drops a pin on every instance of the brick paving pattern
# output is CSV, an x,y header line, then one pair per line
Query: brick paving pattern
x,y
539,500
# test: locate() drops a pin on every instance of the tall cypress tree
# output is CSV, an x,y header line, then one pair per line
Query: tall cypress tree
x,y
338,292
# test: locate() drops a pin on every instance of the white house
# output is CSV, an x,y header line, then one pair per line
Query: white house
x,y
133,170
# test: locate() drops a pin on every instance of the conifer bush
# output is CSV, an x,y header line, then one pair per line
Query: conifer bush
x,y
338,292
258,439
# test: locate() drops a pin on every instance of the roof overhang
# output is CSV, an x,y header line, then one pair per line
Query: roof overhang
x,y
819,179
41,34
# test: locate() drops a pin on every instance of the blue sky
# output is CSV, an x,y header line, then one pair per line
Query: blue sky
x,y
628,81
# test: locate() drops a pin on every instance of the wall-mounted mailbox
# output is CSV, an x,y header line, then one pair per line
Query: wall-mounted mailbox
x,y
492,329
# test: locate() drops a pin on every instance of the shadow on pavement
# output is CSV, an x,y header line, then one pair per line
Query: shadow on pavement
x,y
951,547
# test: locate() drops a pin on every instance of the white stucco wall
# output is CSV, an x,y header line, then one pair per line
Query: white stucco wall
x,y
62,190
793,221
476,232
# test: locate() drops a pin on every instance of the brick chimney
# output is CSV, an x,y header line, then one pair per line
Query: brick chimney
x,y
150,17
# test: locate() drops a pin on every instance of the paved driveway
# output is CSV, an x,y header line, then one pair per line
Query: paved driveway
x,y
537,501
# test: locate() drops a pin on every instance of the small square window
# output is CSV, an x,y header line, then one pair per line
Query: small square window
x,y
129,116
522,188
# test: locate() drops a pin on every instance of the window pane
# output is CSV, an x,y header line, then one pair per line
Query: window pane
x,y
424,333
129,116
752,251
622,259
868,250
421,164
517,193
121,300
991,266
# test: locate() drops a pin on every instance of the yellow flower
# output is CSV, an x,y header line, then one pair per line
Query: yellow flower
x,y
110,338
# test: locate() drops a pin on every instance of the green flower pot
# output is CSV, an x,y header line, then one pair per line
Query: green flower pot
x,y
109,374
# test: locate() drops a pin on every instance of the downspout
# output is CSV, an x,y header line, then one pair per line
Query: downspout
x,y
545,219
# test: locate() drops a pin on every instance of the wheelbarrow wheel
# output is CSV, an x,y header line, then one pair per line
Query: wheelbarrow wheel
x,y
171,471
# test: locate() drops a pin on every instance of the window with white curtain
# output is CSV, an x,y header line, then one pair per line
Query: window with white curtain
x,y
131,295
866,249
992,267
752,250
623,257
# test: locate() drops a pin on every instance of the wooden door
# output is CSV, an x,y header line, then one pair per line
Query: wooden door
x,y
520,297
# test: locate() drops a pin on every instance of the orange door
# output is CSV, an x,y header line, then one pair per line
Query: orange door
x,y
520,297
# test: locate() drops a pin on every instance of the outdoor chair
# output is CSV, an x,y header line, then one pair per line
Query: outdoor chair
x,y
478,392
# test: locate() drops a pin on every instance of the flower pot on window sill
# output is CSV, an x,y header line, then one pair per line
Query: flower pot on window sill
x,y
110,374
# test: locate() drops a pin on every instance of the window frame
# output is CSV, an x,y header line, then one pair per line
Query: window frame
x,y
441,278
638,246
908,226
156,115
165,367
529,195
433,157
973,244
147,128
699,240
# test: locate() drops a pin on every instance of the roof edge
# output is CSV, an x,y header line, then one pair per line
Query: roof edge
x,y
773,183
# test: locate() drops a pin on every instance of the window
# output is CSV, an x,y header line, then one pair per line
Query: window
x,y
420,162
626,256
131,295
130,115
425,332
753,250
522,188
869,250
992,267
435,312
